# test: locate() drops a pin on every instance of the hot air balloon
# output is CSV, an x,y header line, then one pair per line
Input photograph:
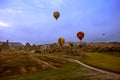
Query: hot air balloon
x,y
61,41
103,34
56,15
80,35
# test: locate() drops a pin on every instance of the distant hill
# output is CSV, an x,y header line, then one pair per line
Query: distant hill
x,y
14,44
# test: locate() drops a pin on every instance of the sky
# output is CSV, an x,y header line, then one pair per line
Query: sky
x,y
32,20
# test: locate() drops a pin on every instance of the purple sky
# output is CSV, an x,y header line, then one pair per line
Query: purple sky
x,y
32,20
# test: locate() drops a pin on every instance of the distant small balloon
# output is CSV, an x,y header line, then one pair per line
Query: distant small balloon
x,y
103,34
56,15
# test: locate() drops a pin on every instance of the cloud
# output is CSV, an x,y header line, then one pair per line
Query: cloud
x,y
3,24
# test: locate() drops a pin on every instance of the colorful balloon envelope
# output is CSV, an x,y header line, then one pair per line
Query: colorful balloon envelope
x,y
56,15
80,35
61,41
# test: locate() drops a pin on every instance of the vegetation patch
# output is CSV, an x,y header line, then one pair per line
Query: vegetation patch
x,y
14,63
102,61
71,71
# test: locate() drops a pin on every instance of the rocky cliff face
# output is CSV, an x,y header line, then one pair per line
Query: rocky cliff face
x,y
14,44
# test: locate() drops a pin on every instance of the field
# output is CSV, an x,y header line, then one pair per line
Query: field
x,y
72,71
54,66
103,61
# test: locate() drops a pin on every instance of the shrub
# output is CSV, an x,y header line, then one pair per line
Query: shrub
x,y
37,51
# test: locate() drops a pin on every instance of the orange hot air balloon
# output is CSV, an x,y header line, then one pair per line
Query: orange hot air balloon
x,y
80,35
56,15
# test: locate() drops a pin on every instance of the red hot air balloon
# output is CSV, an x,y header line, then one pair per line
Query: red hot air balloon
x,y
80,35
56,15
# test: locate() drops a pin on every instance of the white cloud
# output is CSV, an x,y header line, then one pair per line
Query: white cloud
x,y
3,24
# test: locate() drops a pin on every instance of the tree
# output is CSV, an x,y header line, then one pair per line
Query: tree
x,y
71,44
5,45
27,46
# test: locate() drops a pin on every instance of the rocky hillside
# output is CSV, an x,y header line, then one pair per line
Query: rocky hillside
x,y
14,44
87,46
